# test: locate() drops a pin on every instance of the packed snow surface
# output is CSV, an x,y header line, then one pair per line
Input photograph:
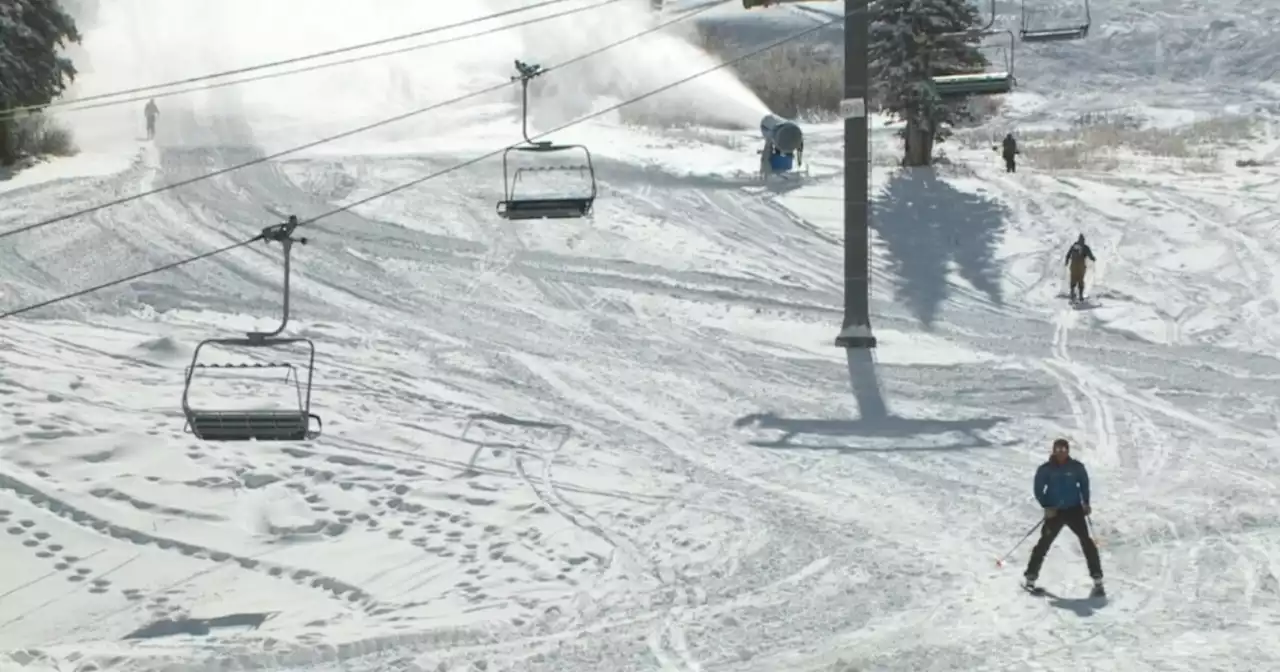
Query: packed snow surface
x,y
627,443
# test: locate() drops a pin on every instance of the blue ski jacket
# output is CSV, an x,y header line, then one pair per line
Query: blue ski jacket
x,y
1062,486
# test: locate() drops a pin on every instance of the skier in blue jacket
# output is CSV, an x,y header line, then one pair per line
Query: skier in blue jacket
x,y
1062,488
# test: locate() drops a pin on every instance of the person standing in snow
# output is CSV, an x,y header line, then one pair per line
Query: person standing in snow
x,y
1010,153
1075,263
1062,488
151,113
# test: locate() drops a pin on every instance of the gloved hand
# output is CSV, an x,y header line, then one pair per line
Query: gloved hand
x,y
1049,512
1087,509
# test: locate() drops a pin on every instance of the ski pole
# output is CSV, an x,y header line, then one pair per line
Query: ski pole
x,y
1000,561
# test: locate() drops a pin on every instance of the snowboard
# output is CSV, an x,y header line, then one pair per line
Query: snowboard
x,y
1083,304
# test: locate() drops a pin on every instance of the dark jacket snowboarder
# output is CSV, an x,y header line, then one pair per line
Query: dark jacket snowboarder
x,y
1077,255
1009,150
151,112
1061,486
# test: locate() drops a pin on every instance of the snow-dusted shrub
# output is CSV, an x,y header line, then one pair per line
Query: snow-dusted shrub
x,y
800,80
33,135
1107,142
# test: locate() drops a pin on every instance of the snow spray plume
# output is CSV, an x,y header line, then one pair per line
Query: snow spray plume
x,y
135,43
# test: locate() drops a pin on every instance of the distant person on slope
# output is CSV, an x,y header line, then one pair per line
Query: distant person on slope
x,y
1062,488
1076,257
1010,152
151,113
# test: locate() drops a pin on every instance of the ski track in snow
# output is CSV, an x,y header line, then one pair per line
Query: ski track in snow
x,y
627,444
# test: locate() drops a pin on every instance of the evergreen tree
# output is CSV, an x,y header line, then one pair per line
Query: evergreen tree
x,y
912,41
33,71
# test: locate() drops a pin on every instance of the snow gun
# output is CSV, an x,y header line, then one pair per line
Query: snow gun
x,y
783,144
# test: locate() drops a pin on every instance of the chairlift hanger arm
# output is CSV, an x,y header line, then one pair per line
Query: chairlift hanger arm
x,y
527,72
992,22
281,233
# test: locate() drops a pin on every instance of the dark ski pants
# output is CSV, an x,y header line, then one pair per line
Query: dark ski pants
x,y
1010,164
1077,278
1073,518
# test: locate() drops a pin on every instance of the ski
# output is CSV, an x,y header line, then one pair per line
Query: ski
x,y
1096,593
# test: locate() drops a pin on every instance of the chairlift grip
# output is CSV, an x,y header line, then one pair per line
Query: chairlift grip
x,y
527,73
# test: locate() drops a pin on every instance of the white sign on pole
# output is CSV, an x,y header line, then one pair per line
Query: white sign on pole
x,y
853,108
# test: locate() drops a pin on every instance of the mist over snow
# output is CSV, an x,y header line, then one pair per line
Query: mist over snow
x,y
136,43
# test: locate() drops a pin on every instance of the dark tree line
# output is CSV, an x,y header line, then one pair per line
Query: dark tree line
x,y
912,41
33,68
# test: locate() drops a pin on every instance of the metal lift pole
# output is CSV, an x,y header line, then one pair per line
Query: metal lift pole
x,y
856,330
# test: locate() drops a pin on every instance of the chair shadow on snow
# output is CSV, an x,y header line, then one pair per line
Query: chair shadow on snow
x,y
927,224
875,422
1083,607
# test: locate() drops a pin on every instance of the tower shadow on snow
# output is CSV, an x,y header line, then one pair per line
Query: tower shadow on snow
x,y
621,174
875,421
926,223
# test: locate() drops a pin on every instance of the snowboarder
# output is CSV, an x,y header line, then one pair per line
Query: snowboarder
x,y
1075,262
1062,488
151,113
1010,153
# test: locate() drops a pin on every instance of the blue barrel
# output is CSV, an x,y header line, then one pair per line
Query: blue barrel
x,y
781,163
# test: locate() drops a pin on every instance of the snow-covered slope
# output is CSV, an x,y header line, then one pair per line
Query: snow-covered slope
x,y
627,443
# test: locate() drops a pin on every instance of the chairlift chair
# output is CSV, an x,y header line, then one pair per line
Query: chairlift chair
x,y
516,206
260,425
1055,34
991,83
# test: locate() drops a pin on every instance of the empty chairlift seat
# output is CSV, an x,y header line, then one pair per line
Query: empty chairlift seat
x,y
216,422
253,424
992,83
563,187
540,179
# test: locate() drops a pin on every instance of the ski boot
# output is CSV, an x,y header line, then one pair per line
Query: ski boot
x,y
1098,589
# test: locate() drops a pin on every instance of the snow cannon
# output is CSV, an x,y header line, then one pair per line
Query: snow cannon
x,y
781,134
783,145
